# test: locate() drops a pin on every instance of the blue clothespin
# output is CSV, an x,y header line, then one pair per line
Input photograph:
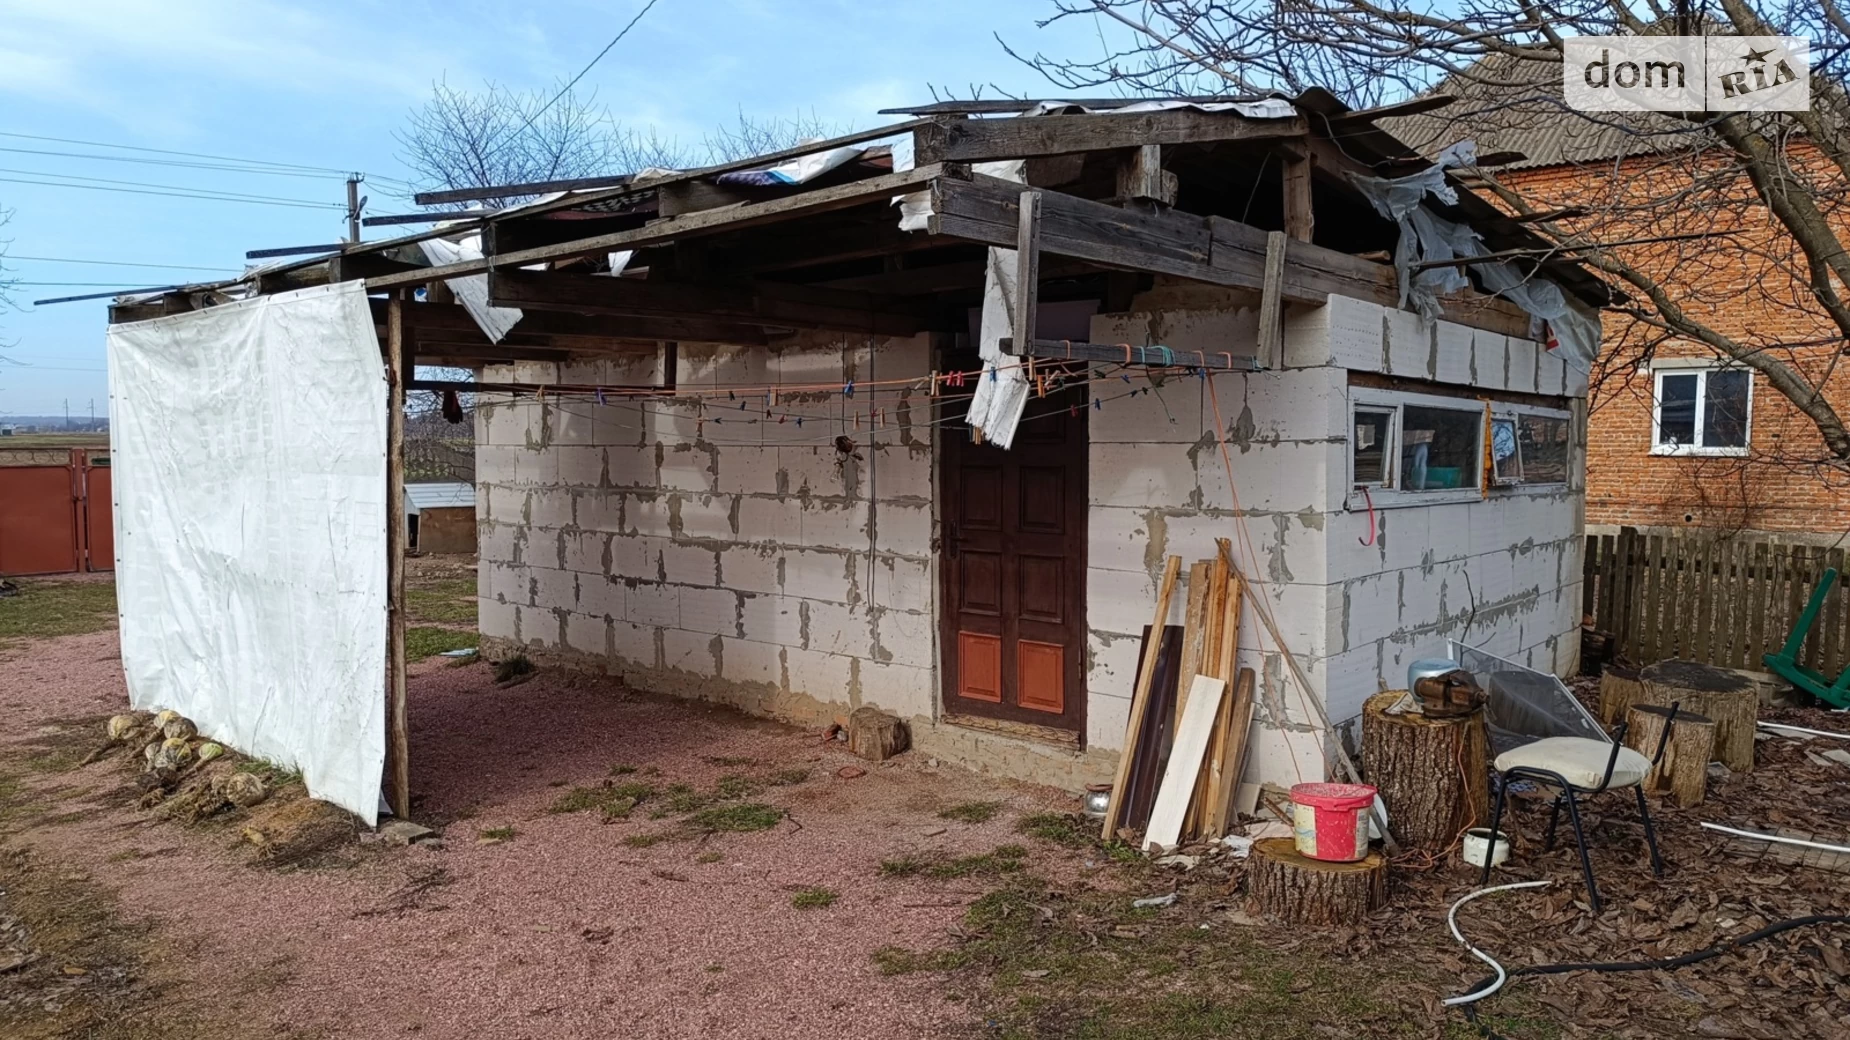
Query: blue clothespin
x,y
847,389
600,395
1098,405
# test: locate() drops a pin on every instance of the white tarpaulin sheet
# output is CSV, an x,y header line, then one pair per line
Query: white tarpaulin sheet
x,y
249,451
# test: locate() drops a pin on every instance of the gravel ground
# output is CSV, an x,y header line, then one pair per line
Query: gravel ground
x,y
563,931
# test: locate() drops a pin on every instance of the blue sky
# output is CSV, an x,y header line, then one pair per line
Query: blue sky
x,y
325,84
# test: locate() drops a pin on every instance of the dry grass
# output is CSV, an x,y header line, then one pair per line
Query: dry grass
x,y
46,608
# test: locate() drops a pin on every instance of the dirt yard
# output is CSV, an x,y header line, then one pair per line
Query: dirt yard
x,y
613,864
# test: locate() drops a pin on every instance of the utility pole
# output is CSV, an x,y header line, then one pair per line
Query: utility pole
x,y
67,413
354,202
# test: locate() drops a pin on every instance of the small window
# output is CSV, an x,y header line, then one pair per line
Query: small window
x,y
1702,411
1505,453
1542,441
1374,430
1439,448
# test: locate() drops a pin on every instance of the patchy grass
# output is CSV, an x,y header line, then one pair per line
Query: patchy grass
x,y
710,857
448,601
513,668
722,760
789,777
45,609
734,786
621,770
813,898
429,641
273,776
971,812
742,818
643,841
1067,829
1006,859
615,801
680,799
499,834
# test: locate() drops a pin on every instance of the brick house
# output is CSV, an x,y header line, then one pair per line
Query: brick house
x,y
1679,435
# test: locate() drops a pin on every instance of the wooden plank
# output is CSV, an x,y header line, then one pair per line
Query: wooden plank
x,y
1194,632
1139,698
1734,604
1299,217
1219,577
1123,353
1653,592
704,222
1703,630
1272,303
1141,176
1185,761
1589,576
398,786
979,140
1832,662
1220,778
1027,267
986,210
1237,738
1760,591
775,304
1811,559
503,191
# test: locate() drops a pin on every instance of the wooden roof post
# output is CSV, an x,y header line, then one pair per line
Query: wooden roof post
x,y
1141,176
1299,219
1027,273
398,767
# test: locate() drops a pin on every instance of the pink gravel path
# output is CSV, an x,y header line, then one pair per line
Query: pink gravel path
x,y
501,951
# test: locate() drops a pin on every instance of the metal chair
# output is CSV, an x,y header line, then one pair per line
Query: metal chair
x,y
1571,766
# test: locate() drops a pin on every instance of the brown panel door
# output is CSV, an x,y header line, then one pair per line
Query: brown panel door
x,y
38,520
1014,568
99,519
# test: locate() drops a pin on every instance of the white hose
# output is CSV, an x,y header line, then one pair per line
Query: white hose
x,y
1451,919
1779,838
1802,729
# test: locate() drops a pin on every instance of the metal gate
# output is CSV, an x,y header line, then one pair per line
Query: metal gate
x,y
57,519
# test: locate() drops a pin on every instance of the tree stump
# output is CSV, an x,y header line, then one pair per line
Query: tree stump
x,y
876,735
1618,688
1683,772
1719,693
1296,889
1433,774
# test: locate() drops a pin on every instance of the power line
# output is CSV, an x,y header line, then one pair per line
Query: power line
x,y
296,203
581,73
64,283
169,151
116,263
228,167
168,187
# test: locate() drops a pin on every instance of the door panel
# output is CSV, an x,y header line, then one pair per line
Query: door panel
x,y
99,518
1013,569
38,520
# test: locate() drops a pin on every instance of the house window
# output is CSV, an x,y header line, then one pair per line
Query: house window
x,y
1373,442
1440,448
1528,448
1702,411
1411,447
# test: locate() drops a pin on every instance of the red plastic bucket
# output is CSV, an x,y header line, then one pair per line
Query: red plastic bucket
x,y
1331,821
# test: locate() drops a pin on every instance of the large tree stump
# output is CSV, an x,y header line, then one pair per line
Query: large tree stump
x,y
1683,772
1719,693
875,735
1433,774
1619,686
1294,888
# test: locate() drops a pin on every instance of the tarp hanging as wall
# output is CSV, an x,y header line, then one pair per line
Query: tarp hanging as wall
x,y
249,446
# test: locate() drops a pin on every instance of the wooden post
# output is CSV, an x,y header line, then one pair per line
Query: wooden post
x,y
1618,688
1433,773
1722,695
1140,697
1299,219
1294,888
1683,772
1027,270
397,760
1272,303
1141,176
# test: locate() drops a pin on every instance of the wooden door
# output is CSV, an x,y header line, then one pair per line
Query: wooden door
x,y
1014,568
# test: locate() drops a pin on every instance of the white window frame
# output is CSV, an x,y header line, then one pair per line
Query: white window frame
x,y
1397,401
1390,446
1701,369
1514,413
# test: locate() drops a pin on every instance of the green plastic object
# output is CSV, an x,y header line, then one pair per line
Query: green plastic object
x,y
1786,663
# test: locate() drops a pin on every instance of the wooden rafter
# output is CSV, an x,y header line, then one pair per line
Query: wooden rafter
x,y
975,140
775,304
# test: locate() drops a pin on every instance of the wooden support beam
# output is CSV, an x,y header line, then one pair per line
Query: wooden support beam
x,y
774,304
579,332
976,140
1155,355
1027,267
1299,218
877,190
1272,302
398,366
1141,176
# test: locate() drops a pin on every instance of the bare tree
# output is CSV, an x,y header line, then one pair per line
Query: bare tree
x,y
747,136
1750,202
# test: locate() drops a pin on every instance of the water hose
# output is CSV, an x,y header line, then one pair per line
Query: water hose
x,y
1495,983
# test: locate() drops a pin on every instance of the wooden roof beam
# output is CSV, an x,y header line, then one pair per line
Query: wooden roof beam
x,y
772,304
576,332
978,140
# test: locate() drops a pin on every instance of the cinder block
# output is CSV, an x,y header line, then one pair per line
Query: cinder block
x,y
1117,538
818,470
1107,718
654,605
554,587
1356,331
1490,356
1550,372
1112,663
579,466
710,610
1348,679
584,551
495,542
689,651
634,643
839,629
686,468
826,677
749,661
1166,412
540,626
549,507
1454,353
632,467
1410,344
905,639
903,584
829,525
902,689
1449,530
903,529
495,620
706,516
1307,336
600,596
633,556
747,470
748,569
770,520
1275,477
647,513
585,633
1142,475
818,575
1123,601
1284,757
1522,365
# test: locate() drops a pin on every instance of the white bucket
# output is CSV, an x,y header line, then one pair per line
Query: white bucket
x,y
1477,847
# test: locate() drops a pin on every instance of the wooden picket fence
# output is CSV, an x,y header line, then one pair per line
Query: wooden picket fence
x,y
1719,600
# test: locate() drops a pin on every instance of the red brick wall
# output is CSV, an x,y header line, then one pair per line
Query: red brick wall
x,y
1743,278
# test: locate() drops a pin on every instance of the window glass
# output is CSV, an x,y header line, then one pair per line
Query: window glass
x,y
1439,448
1543,439
1505,458
1370,443
1724,412
1676,409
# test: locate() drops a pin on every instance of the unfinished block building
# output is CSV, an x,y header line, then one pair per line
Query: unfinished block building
x,y
724,419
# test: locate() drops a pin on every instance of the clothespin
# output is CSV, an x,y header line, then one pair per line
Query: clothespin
x,y
600,395
857,420
1072,410
799,420
847,389
741,406
934,384
1098,405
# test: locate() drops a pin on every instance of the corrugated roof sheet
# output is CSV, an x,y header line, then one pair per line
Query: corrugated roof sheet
x,y
419,497
1509,104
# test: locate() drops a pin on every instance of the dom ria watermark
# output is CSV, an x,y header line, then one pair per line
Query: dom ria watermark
x,y
1687,73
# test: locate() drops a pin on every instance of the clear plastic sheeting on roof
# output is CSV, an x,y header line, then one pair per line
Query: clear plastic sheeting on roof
x,y
1525,705
472,290
1427,238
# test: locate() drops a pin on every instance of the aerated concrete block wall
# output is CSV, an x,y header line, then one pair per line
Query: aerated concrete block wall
x,y
1501,573
708,554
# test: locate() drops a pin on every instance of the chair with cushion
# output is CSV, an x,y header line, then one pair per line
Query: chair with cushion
x,y
1577,767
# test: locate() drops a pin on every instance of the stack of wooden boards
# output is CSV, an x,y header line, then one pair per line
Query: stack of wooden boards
x,y
1202,753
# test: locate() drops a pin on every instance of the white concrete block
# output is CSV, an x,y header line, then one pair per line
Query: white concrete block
x,y
818,575
1454,353
747,470
1410,345
705,516
1307,336
1142,475
903,529
1169,412
714,611
690,565
748,569
579,466
1490,358
1122,602
549,507
1107,718
1350,678
1284,757
1112,663
684,468
600,596
690,651
749,661
1522,365
833,525
584,551
1449,530
654,605
773,619
825,677
632,467
1357,329
647,514
633,556
1117,538
902,689
585,633
600,511
839,629
540,626
906,639
495,619
554,587
770,521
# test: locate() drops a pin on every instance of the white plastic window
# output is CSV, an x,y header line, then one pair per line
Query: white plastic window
x,y
1702,411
